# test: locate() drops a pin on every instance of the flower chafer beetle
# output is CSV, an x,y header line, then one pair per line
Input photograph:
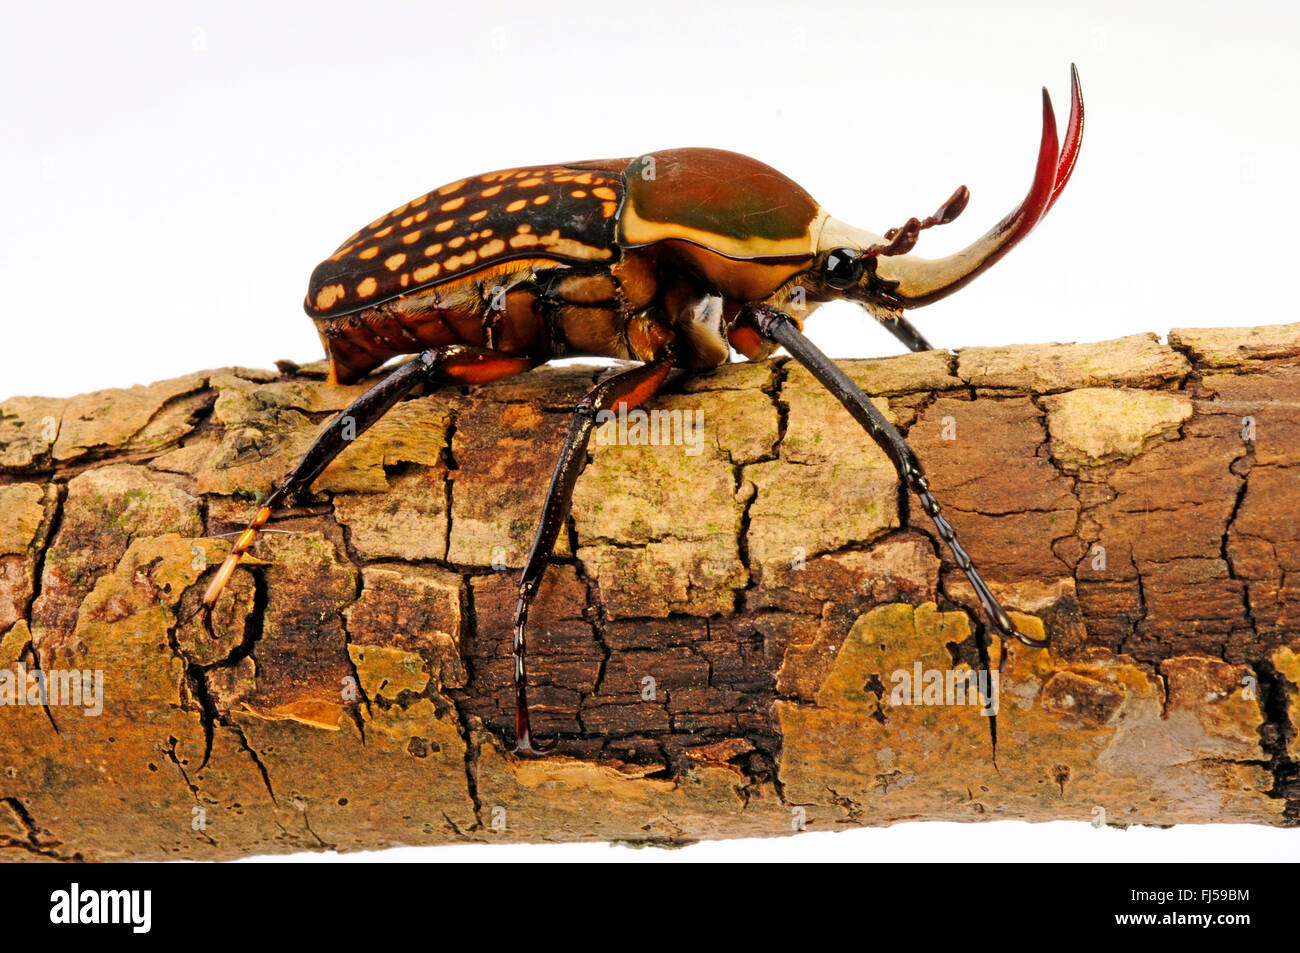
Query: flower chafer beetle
x,y
672,259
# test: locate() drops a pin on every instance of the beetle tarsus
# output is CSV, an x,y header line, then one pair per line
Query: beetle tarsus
x,y
525,744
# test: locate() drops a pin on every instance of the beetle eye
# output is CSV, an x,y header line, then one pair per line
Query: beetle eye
x,y
842,268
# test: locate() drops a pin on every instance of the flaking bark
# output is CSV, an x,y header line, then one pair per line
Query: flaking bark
x,y
721,644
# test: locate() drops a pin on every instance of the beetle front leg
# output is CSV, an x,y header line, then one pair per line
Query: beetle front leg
x,y
469,365
778,326
903,329
625,391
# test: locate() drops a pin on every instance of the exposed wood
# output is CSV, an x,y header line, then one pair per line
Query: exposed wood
x,y
722,644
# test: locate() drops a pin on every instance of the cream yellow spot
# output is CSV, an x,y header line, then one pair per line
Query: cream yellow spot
x,y
492,248
516,206
453,187
486,232
416,203
370,252
405,280
608,208
524,228
407,222
523,174
398,211
433,250
367,287
393,262
421,216
529,183
410,238
523,241
443,226
326,297
567,246
452,204
584,179
425,273
604,192
488,193
383,232
456,242
578,194
562,178
541,200
478,216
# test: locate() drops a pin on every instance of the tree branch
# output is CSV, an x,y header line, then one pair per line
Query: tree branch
x,y
737,637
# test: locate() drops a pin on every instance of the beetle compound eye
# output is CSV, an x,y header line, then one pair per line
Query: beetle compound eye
x,y
842,268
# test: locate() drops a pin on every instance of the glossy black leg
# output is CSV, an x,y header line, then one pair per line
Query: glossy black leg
x,y
780,327
469,364
905,331
630,388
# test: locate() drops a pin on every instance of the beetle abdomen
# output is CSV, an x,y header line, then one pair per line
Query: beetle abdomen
x,y
558,213
495,309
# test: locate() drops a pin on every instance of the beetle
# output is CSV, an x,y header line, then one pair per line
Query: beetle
x,y
672,259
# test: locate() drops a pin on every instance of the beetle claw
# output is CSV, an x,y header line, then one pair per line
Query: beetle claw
x,y
206,611
526,747
1031,642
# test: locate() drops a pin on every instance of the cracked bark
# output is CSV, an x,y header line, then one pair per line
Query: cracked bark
x,y
720,646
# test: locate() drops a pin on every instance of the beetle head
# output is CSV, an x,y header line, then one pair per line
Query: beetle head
x,y
879,271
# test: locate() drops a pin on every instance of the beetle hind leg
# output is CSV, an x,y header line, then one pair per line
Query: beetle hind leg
x,y
469,365
625,390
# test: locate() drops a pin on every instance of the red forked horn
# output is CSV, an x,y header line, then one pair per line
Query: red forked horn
x,y
921,281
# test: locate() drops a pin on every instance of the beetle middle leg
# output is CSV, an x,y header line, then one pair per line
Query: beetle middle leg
x,y
627,390
778,326
469,365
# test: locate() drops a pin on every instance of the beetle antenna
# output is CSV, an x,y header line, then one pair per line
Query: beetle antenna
x,y
903,239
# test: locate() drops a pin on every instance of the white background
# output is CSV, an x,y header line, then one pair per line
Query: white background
x,y
171,173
